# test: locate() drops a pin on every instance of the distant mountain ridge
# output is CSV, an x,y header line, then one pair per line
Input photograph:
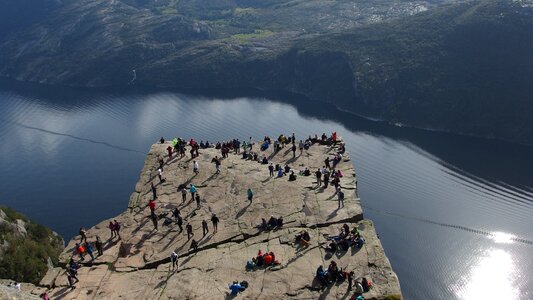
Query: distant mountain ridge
x,y
460,66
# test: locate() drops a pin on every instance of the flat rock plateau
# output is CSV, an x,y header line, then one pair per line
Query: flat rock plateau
x,y
137,266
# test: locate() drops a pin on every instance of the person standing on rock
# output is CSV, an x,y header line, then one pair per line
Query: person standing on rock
x,y
192,189
195,167
174,259
151,204
318,175
183,194
160,175
197,198
189,231
215,220
161,161
250,194
326,162
169,150
326,180
83,234
111,227
271,170
154,191
205,229
194,246
116,226
340,196
89,249
179,220
99,246
293,150
154,219
217,164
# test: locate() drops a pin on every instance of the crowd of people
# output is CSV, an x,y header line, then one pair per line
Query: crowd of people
x,y
325,176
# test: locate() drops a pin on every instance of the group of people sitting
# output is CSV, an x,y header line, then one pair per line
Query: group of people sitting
x,y
266,260
345,240
272,223
335,274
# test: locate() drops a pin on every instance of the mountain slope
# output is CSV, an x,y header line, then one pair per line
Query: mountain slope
x,y
463,67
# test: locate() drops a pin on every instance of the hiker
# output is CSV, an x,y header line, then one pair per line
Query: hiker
x,y
183,194
111,227
292,176
83,234
197,198
80,250
340,196
321,275
99,246
154,219
71,281
271,170
235,288
366,284
215,220
326,162
160,160
332,247
189,231
169,150
176,213
151,204
350,280
89,249
318,175
174,259
160,175
179,220
194,246
116,227
326,180
192,189
217,164
303,238
293,150
250,193
272,222
154,191
205,229
195,167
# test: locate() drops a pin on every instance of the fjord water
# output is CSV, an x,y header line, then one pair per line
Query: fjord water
x,y
453,213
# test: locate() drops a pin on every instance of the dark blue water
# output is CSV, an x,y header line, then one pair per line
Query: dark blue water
x,y
454,213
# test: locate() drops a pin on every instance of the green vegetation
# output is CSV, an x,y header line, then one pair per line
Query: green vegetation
x,y
256,34
24,258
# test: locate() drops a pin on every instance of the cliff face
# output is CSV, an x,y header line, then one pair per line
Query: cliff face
x,y
138,265
25,247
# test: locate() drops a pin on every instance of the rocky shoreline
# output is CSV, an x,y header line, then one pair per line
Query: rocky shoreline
x,y
138,264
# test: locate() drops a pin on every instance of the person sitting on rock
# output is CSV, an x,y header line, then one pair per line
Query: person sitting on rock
x,y
292,176
264,161
272,222
263,225
280,172
321,275
235,288
303,238
268,259
279,222
307,172
287,169
333,271
366,285
332,247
